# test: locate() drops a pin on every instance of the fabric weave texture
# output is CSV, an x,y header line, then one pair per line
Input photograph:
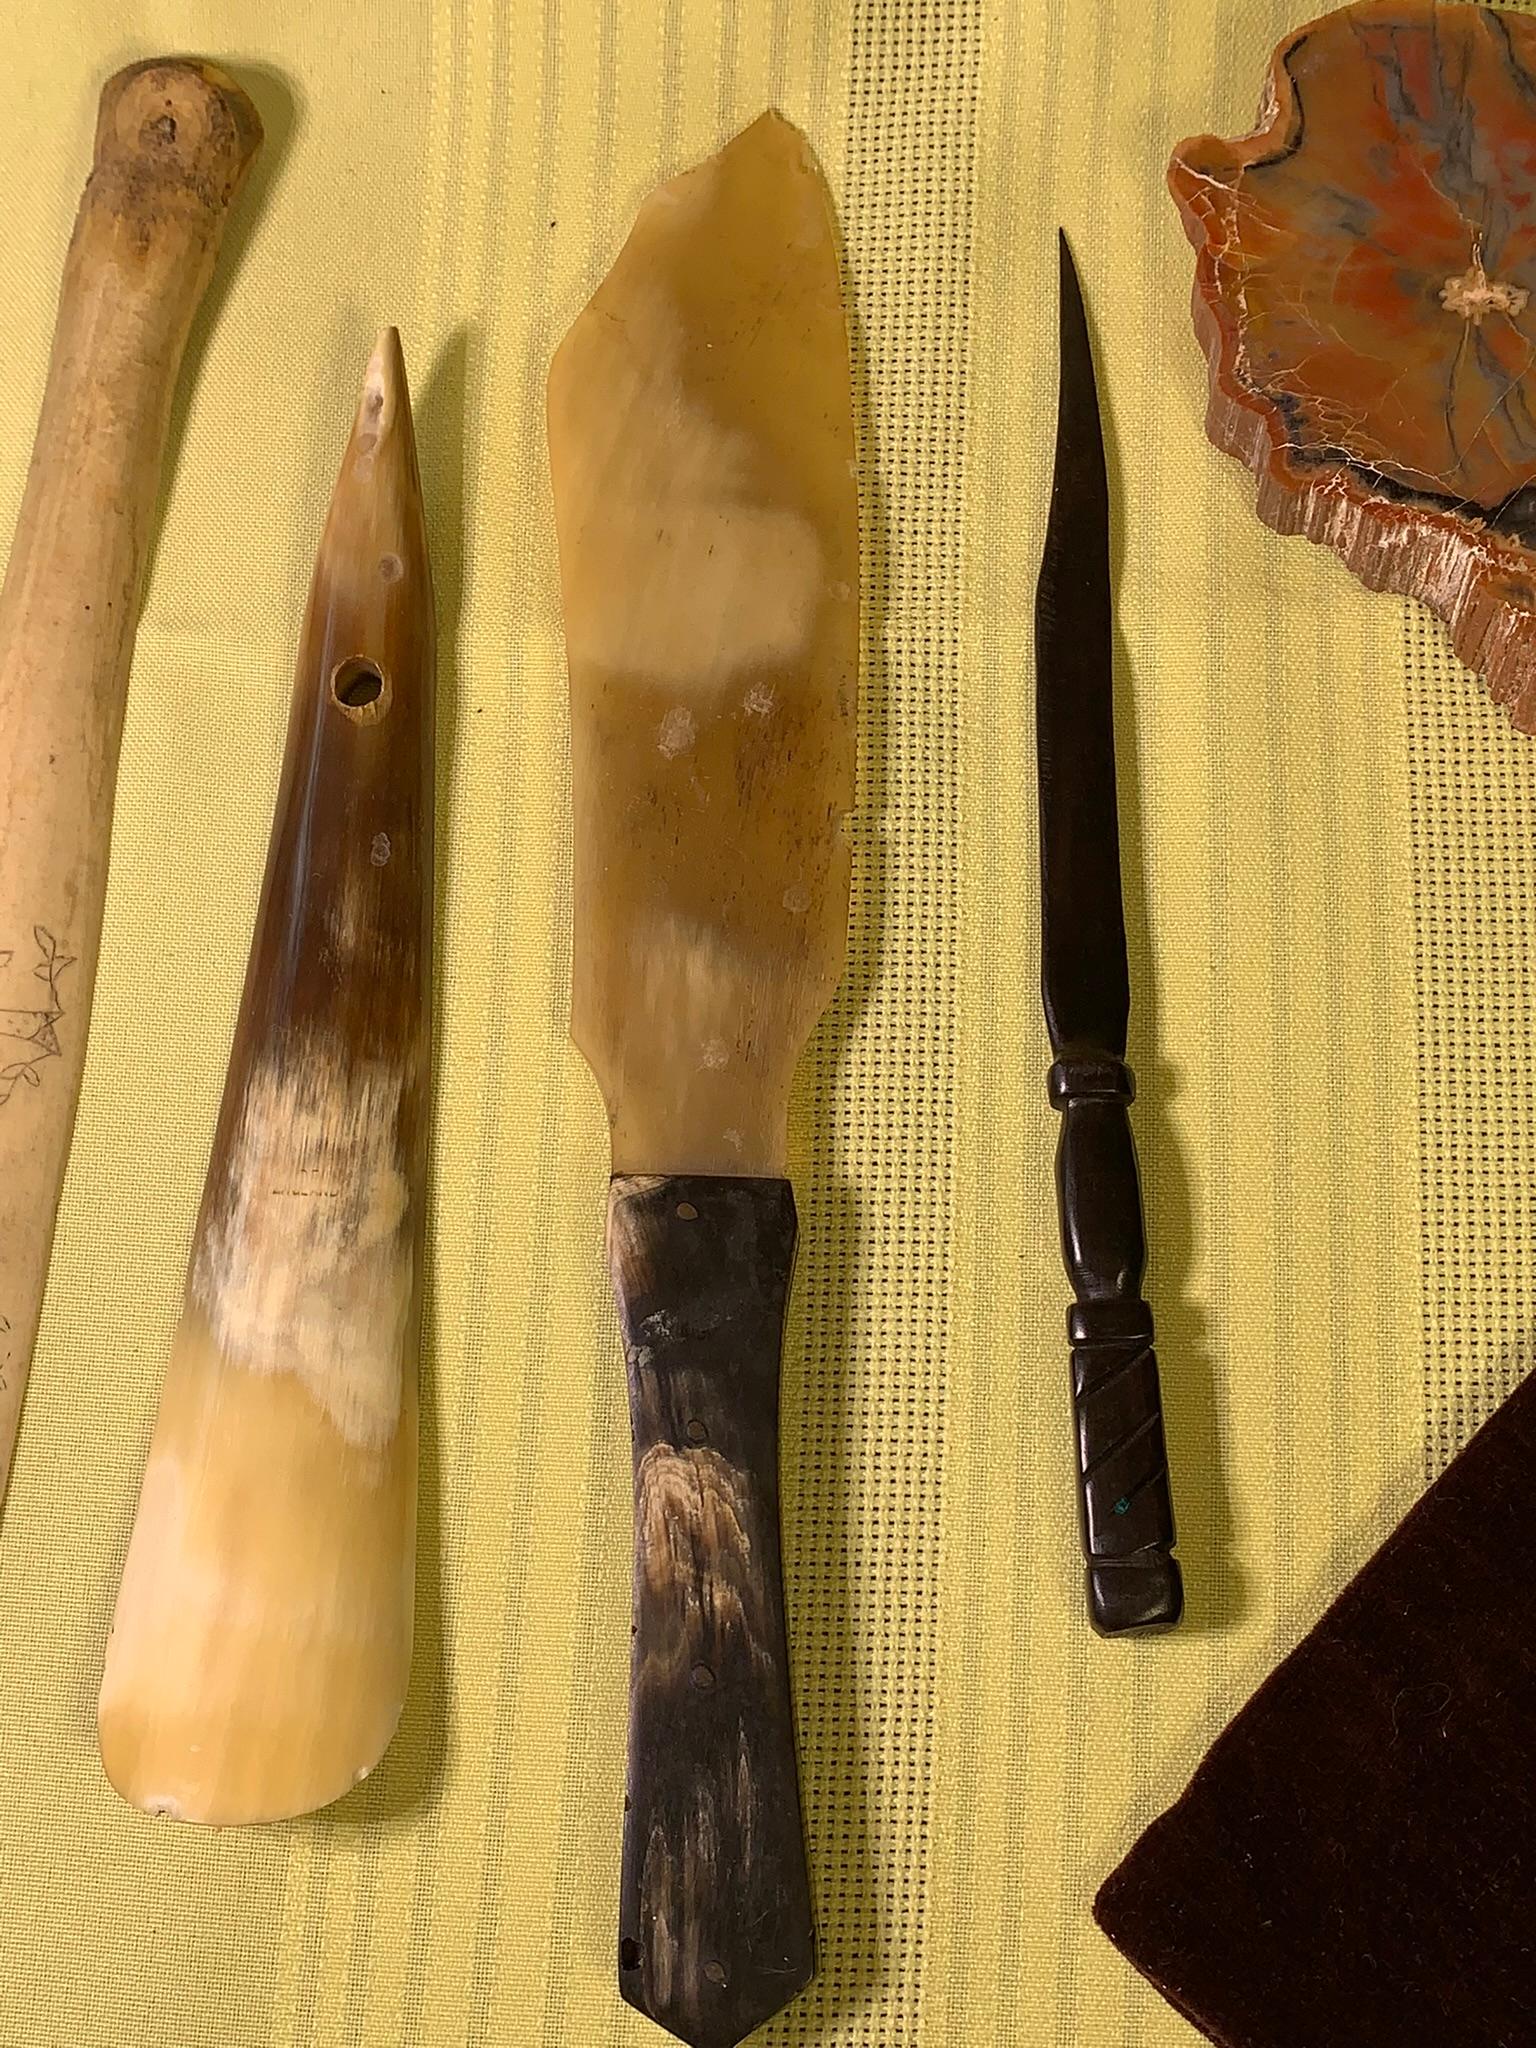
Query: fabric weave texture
x,y
1329,865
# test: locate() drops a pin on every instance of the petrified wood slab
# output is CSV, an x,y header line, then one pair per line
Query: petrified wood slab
x,y
1363,294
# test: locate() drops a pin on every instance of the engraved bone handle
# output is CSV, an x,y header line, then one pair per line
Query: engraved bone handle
x,y
715,1926
173,143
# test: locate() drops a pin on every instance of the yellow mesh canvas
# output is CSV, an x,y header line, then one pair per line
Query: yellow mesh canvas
x,y
1329,873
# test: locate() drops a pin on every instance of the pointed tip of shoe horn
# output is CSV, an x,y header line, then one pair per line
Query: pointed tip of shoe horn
x,y
376,528
386,394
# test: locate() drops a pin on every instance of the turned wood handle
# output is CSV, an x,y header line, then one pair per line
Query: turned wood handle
x,y
715,1928
173,142
1133,1578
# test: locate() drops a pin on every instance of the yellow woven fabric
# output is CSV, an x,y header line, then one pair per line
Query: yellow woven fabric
x,y
1329,866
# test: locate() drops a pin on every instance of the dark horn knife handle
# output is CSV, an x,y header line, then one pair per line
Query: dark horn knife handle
x,y
715,1931
1123,1494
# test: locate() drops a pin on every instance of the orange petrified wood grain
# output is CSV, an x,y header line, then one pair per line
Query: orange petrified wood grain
x,y
1367,259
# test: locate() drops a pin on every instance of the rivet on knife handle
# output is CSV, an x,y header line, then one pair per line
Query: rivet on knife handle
x,y
1126,1506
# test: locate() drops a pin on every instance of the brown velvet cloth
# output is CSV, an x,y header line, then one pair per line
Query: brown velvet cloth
x,y
1354,1863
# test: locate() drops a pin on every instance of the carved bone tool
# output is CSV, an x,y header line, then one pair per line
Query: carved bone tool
x,y
1127,1513
261,1645
173,143
702,448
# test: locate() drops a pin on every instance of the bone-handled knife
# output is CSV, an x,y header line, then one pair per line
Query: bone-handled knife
x,y
1126,1508
702,455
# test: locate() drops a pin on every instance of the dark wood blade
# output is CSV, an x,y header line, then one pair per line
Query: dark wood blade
x,y
1083,976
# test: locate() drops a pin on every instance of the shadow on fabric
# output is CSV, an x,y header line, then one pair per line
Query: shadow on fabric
x,y
825,1535
1213,1586
409,1778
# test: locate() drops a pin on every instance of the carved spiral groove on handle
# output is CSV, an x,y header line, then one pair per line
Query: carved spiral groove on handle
x,y
1119,1428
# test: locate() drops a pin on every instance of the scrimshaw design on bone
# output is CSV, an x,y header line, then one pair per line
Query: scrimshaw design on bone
x,y
34,1028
